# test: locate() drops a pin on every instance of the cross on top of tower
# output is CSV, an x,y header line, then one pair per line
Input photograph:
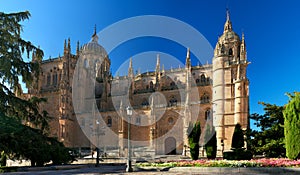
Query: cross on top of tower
x,y
94,36
228,25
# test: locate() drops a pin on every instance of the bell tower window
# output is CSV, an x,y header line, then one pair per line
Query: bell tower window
x,y
230,52
202,79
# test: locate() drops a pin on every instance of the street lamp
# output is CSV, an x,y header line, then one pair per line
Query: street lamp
x,y
97,146
129,114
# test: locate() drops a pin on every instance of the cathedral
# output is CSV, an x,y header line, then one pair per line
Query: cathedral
x,y
91,108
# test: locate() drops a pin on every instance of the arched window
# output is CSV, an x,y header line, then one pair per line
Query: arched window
x,y
222,49
173,101
230,51
85,63
62,131
54,77
170,120
151,85
202,78
97,68
138,120
109,121
207,114
172,83
48,79
197,80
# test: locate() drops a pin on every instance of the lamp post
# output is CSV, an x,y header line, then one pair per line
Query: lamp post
x,y
129,114
97,144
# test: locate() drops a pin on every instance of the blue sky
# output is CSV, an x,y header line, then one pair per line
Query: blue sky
x,y
271,31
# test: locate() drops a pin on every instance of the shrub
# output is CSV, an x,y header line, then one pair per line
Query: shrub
x,y
238,137
238,154
194,138
3,158
59,153
8,169
211,143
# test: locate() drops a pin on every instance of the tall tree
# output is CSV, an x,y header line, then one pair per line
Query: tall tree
x,y
17,140
194,138
14,69
268,138
292,126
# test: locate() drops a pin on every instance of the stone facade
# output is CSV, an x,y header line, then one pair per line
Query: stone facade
x,y
86,101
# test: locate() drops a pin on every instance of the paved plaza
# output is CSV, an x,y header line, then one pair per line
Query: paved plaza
x,y
120,169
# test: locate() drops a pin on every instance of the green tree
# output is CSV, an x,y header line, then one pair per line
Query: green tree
x,y
268,138
20,141
194,138
16,139
15,70
238,137
210,142
292,126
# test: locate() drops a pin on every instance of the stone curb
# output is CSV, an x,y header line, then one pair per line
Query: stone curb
x,y
224,170
66,167
58,167
251,170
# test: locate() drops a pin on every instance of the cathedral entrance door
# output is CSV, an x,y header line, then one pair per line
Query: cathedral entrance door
x,y
170,146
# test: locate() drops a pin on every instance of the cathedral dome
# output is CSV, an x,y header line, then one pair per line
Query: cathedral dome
x,y
94,47
229,41
229,36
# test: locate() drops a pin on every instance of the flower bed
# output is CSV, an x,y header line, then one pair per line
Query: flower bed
x,y
225,163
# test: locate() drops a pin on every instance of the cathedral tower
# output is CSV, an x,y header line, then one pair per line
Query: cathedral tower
x,y
230,86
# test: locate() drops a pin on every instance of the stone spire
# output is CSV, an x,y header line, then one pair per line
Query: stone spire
x,y
77,48
65,45
187,112
130,69
243,48
227,25
243,39
157,72
188,59
69,44
157,69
